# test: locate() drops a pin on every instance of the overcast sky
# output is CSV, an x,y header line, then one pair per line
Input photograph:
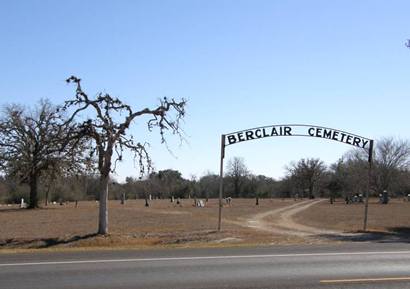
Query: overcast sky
x,y
240,64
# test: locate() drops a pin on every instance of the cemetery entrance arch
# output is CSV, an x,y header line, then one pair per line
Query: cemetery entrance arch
x,y
295,130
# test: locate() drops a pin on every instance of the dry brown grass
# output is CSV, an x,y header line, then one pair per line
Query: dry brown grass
x,y
349,218
166,224
132,224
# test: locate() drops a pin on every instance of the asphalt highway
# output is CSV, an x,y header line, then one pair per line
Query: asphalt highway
x,y
352,265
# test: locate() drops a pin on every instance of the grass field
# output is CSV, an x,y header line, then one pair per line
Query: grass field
x,y
392,217
165,223
131,224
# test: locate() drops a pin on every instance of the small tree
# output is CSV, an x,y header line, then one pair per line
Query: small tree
x,y
237,173
307,174
109,132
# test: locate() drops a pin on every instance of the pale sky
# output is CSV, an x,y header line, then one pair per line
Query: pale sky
x,y
241,64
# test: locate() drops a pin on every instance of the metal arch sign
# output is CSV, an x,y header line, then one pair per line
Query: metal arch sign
x,y
297,130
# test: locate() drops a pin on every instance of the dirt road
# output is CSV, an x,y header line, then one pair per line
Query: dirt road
x,y
280,221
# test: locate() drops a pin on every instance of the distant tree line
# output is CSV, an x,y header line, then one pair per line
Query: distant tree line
x,y
306,178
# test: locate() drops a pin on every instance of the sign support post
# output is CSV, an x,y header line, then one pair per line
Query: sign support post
x,y
369,178
221,181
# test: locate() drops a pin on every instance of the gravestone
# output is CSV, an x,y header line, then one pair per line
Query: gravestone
x,y
384,197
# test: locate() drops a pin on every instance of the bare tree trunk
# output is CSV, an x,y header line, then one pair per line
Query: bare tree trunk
x,y
46,200
33,191
310,191
236,188
103,208
146,201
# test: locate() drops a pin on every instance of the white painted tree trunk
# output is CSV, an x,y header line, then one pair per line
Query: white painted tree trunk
x,y
103,206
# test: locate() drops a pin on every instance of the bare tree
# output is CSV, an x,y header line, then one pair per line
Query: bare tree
x,y
32,142
108,130
307,174
237,173
392,156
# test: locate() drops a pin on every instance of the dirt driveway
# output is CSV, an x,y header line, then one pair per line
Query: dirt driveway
x,y
280,221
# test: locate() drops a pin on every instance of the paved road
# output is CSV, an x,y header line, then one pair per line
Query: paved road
x,y
351,265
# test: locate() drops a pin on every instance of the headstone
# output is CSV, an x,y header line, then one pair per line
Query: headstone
x,y
385,197
150,197
228,201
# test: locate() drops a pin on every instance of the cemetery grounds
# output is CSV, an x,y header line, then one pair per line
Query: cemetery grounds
x,y
167,224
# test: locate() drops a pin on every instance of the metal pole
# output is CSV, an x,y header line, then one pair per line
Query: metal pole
x,y
221,181
369,176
